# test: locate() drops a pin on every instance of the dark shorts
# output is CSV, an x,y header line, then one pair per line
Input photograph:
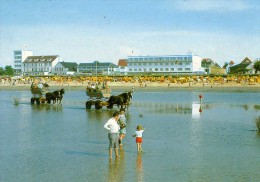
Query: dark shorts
x,y
113,140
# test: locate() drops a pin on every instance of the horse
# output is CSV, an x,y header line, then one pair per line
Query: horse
x,y
118,100
50,97
121,100
55,96
127,96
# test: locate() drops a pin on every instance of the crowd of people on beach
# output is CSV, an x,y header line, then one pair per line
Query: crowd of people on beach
x,y
116,127
143,81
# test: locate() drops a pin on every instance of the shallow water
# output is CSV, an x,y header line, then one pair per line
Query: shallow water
x,y
69,143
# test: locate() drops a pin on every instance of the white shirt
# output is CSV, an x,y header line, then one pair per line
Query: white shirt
x,y
139,133
112,126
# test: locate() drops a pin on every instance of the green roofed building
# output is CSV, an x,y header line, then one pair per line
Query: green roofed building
x,y
98,68
242,68
65,68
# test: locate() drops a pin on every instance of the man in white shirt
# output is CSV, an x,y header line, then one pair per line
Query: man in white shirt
x,y
113,133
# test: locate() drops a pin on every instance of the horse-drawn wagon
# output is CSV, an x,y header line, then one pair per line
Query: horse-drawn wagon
x,y
38,91
100,97
41,94
97,97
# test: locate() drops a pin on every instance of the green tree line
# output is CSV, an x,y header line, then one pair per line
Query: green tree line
x,y
7,70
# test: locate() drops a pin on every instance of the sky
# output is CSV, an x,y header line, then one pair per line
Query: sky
x,y
83,31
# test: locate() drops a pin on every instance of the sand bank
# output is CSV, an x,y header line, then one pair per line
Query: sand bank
x,y
137,86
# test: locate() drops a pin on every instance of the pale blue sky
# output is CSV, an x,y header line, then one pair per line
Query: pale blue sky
x,y
105,30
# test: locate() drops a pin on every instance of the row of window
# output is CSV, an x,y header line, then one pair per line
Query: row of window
x,y
59,69
30,60
157,69
160,59
17,52
36,64
94,69
37,69
155,64
17,57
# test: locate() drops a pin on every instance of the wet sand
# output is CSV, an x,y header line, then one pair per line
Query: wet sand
x,y
148,86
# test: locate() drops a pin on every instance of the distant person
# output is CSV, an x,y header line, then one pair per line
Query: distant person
x,y
40,85
113,133
93,86
122,124
139,137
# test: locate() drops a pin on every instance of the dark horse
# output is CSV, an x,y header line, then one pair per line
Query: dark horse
x,y
55,96
121,100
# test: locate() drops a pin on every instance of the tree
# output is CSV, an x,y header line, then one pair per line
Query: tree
x,y
9,70
2,71
257,66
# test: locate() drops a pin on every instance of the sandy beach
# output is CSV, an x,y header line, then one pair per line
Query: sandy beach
x,y
137,86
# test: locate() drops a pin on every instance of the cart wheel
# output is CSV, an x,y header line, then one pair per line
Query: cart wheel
x,y
88,104
110,106
98,105
32,100
42,100
38,101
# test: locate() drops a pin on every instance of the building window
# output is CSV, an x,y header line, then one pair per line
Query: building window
x,y
187,69
166,69
172,69
179,69
156,69
161,69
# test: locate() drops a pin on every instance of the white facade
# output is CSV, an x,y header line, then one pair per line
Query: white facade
x,y
64,68
39,65
19,57
172,64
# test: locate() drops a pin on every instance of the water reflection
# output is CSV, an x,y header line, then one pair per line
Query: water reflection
x,y
47,107
139,168
194,109
257,107
116,168
99,115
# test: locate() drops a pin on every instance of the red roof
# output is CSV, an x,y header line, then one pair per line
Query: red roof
x,y
122,62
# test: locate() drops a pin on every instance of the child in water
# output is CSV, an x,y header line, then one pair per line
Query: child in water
x,y
139,140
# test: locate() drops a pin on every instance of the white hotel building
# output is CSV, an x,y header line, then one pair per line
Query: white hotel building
x,y
40,65
19,57
170,64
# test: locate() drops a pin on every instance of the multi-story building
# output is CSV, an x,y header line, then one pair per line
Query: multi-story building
x,y
169,64
97,68
39,65
122,66
19,57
